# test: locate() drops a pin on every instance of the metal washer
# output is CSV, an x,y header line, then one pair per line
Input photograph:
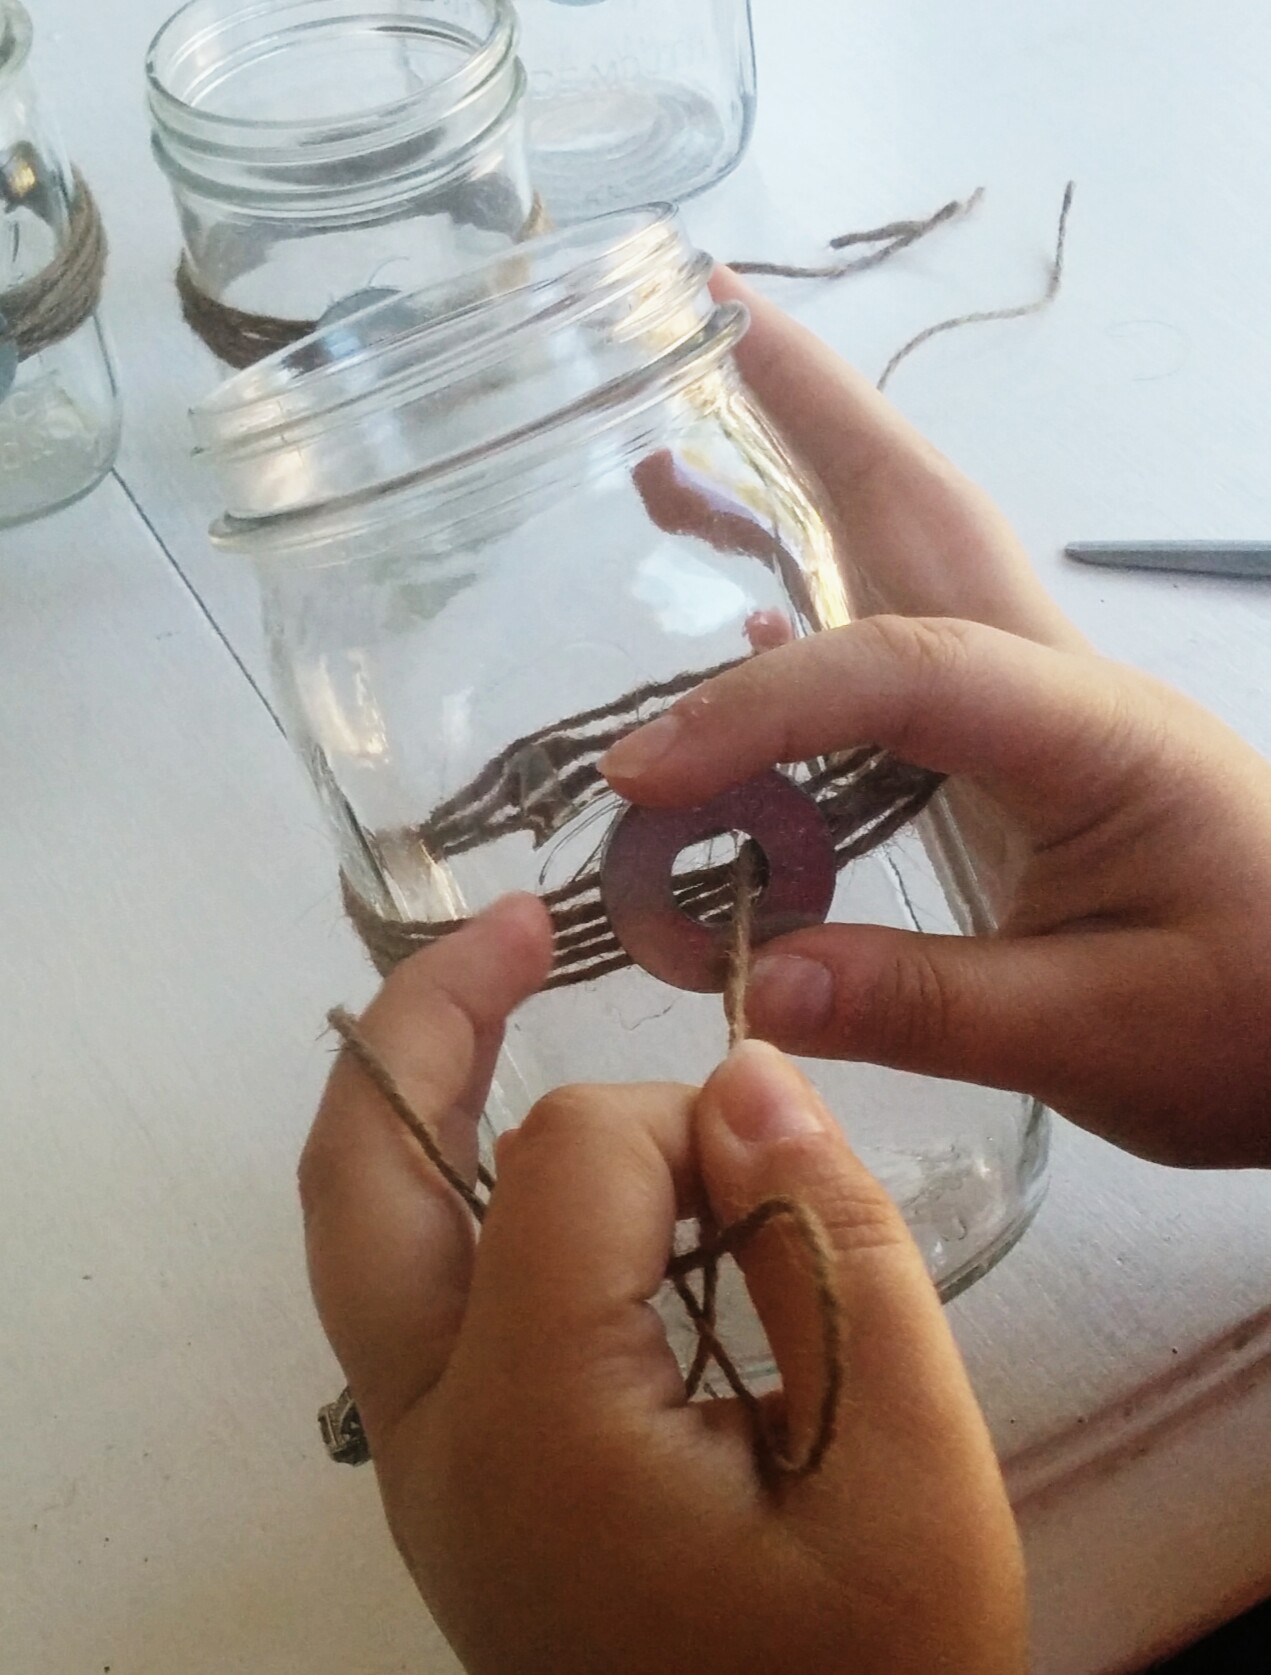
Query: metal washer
x,y
637,877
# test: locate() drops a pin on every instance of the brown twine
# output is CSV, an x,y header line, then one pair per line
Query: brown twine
x,y
55,303
240,338
989,316
776,1460
892,239
745,889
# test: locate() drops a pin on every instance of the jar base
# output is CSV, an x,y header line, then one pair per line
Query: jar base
x,y
595,150
51,453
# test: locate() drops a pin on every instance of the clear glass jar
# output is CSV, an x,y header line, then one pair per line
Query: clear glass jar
x,y
635,101
319,148
59,405
493,525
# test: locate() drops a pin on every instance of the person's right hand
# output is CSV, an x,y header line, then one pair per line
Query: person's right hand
x,y
1129,982
914,535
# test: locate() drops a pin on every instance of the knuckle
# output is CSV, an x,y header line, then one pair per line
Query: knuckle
x,y
908,1009
934,647
853,1207
859,1216
930,656
558,1116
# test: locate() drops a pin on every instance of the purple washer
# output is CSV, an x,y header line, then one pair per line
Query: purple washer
x,y
636,877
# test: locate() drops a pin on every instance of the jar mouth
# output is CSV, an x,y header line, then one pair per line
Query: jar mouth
x,y
15,39
349,81
414,388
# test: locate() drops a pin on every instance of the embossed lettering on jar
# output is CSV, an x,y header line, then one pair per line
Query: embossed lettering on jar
x,y
635,101
525,511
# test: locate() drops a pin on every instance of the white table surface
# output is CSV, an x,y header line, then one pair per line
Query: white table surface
x,y
172,931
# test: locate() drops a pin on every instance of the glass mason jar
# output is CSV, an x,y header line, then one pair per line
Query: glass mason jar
x,y
59,405
495,524
320,148
635,101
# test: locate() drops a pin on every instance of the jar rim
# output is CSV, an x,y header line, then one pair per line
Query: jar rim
x,y
305,533
16,35
406,337
247,135
324,422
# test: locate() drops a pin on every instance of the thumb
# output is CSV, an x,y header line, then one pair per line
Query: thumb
x,y
762,1132
1033,1014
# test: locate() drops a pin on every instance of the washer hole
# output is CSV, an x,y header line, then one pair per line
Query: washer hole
x,y
695,874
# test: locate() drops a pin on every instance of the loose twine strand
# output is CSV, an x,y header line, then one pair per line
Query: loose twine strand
x,y
777,1460
240,338
983,317
55,302
891,239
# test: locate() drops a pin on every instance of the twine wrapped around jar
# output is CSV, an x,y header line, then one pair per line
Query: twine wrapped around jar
x,y
546,780
57,301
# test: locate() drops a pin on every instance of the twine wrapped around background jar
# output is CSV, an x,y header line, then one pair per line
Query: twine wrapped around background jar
x,y
54,304
59,404
318,150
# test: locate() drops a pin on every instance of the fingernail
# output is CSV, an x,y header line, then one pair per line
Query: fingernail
x,y
764,1098
637,753
790,995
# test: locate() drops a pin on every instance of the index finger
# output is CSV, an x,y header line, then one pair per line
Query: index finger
x,y
1044,731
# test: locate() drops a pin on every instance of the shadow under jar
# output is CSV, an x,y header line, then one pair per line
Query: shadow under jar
x,y
321,149
497,524
59,403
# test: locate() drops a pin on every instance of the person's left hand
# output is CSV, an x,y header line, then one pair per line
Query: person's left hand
x,y
560,1504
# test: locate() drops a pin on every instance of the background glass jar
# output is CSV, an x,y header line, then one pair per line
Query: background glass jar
x,y
496,524
318,148
635,101
59,407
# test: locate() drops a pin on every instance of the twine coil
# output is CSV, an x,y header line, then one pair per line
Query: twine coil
x,y
56,302
240,338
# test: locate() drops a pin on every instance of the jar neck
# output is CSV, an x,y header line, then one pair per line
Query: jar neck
x,y
252,107
549,350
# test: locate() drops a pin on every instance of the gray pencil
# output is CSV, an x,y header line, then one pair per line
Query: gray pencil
x,y
1206,558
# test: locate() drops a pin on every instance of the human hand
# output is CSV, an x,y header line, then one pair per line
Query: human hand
x,y
561,1506
1128,984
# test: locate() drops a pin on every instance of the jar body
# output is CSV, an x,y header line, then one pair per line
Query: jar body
x,y
59,404
320,148
455,648
635,101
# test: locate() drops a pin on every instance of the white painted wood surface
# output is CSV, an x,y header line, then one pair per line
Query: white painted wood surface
x,y
173,937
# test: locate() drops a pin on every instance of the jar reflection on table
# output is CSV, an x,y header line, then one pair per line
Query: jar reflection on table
x,y
543,517
635,101
318,148
59,406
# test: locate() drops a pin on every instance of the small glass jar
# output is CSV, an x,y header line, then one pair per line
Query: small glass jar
x,y
635,101
494,526
320,148
59,405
